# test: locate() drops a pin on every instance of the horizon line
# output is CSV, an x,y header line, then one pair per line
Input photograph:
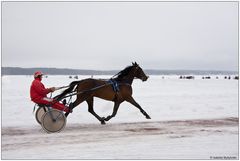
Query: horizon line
x,y
121,69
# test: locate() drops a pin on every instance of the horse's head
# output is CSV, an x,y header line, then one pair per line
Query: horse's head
x,y
138,73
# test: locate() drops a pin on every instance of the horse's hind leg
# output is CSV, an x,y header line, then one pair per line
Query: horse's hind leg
x,y
115,109
133,102
80,99
91,110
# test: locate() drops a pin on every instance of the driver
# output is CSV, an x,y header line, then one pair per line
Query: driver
x,y
39,93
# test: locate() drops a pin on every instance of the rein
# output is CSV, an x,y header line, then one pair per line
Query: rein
x,y
57,88
109,82
92,89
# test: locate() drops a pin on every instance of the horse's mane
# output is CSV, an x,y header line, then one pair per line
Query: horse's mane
x,y
123,72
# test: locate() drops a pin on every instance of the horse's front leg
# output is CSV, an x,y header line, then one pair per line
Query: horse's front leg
x,y
133,102
115,109
91,110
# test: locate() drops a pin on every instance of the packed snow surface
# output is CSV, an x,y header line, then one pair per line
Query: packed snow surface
x,y
191,119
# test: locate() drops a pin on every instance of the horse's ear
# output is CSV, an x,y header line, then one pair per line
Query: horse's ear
x,y
132,63
136,64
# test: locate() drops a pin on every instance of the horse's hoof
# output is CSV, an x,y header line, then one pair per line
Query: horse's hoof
x,y
148,117
103,122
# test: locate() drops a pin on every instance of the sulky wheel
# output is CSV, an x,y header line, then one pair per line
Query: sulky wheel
x,y
40,112
53,121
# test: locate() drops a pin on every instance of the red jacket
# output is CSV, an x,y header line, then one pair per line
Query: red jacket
x,y
37,90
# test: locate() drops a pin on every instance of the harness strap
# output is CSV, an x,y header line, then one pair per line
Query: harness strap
x,y
114,84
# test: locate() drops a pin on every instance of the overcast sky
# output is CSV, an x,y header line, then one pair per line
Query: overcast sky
x,y
110,35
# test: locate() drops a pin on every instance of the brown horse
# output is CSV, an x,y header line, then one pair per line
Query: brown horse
x,y
117,89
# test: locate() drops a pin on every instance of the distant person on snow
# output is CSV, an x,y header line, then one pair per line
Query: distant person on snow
x,y
39,93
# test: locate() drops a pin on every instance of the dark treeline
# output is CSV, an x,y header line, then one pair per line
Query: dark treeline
x,y
62,71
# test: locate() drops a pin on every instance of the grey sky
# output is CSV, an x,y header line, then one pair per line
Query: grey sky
x,y
110,35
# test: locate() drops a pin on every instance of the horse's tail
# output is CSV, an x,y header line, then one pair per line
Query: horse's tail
x,y
68,90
